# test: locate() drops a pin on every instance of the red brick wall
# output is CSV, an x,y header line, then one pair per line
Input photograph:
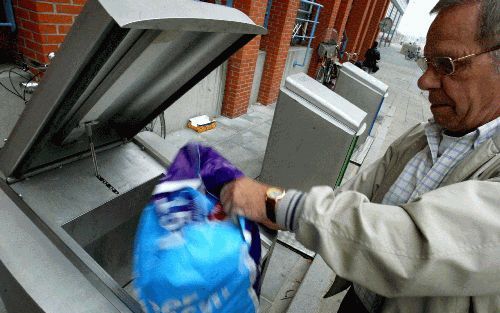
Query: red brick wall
x,y
241,66
373,27
324,30
42,25
364,29
355,22
345,7
382,15
276,44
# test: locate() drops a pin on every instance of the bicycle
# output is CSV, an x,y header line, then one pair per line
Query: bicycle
x,y
328,71
351,57
412,55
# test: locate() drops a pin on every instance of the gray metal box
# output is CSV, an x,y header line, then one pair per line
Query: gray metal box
x,y
362,90
312,136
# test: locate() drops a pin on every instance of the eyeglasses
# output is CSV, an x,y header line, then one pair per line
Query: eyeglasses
x,y
447,65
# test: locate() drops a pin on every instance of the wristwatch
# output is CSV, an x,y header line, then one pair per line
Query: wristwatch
x,y
273,196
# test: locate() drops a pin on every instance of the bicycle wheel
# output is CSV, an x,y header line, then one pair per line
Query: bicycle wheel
x,y
328,75
333,76
320,74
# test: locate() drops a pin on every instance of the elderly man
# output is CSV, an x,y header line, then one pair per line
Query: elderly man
x,y
419,230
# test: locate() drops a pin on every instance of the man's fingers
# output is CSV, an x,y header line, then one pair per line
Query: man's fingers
x,y
227,197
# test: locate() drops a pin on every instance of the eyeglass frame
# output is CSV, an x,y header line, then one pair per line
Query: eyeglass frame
x,y
452,61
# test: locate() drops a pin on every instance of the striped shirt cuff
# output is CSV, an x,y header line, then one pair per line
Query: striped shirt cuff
x,y
289,209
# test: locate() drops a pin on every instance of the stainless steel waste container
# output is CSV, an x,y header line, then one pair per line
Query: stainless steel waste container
x,y
312,136
362,90
76,170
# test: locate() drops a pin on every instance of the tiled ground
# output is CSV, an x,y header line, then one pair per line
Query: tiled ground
x,y
241,140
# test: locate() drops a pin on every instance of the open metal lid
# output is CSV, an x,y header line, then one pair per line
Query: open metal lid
x,y
122,64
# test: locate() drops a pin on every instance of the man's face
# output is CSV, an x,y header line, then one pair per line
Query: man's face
x,y
468,98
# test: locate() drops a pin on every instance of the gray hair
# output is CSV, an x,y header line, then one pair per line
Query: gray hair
x,y
489,23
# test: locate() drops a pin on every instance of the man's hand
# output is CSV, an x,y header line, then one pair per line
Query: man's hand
x,y
245,196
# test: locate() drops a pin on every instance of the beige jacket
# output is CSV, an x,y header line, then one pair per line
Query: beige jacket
x,y
440,253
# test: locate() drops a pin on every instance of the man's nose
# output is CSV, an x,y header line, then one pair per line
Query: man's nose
x,y
430,79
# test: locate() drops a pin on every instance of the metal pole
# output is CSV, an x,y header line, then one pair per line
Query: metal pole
x,y
268,12
398,15
9,14
390,14
313,31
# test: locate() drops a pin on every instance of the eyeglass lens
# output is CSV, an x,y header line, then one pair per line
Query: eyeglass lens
x,y
443,65
422,63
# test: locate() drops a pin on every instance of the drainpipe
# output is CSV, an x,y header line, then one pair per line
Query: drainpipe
x,y
9,13
313,31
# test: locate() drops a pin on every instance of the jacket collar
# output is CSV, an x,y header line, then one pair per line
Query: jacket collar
x,y
471,164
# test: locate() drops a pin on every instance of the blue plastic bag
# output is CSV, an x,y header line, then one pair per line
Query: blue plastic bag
x,y
189,257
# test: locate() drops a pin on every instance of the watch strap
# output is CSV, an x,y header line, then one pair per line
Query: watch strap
x,y
271,210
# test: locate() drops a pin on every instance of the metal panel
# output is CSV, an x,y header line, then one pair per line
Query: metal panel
x,y
364,77
64,194
36,273
180,15
101,222
362,95
296,53
107,233
306,147
203,99
257,77
324,99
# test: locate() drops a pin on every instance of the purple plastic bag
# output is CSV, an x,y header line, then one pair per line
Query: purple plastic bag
x,y
188,256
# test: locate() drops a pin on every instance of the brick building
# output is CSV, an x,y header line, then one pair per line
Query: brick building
x,y
254,73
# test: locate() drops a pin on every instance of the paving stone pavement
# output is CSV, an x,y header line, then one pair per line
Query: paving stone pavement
x,y
241,140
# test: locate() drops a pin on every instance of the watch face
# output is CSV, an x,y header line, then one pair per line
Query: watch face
x,y
274,193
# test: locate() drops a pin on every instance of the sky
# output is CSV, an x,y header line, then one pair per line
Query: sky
x,y
416,20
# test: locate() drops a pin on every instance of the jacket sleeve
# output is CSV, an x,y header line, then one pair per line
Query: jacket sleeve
x,y
446,243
